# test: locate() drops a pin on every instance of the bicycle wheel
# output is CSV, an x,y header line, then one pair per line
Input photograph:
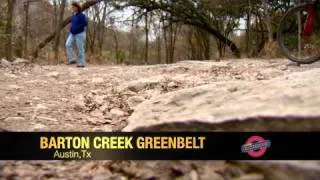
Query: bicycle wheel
x,y
299,34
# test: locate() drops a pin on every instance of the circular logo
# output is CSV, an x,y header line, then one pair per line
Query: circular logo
x,y
256,146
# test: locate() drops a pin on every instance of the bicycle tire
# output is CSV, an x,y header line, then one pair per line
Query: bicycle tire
x,y
280,39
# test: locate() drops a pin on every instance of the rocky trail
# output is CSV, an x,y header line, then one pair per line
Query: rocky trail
x,y
244,95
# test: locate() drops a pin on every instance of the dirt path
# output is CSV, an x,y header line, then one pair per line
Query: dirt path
x,y
63,98
102,98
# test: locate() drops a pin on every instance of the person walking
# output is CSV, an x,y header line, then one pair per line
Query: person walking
x,y
77,34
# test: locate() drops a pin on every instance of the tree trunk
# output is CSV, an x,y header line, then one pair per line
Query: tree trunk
x,y
146,55
159,48
170,60
268,20
132,39
191,48
57,39
116,47
9,54
95,28
102,29
166,42
248,33
26,8
206,45
55,15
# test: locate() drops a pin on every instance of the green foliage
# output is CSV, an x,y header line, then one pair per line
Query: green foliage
x,y
215,23
120,56
107,55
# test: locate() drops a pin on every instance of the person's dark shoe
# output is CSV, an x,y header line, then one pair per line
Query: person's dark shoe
x,y
71,62
81,66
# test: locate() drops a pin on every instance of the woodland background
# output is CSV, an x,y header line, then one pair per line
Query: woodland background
x,y
144,31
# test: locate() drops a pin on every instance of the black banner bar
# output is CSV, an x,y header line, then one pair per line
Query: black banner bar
x,y
159,146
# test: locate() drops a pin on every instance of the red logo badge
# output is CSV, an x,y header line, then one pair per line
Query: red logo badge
x,y
256,146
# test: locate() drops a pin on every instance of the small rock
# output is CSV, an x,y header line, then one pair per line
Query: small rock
x,y
97,80
103,129
73,72
46,118
28,103
80,103
233,89
117,177
64,99
251,177
260,77
172,85
97,113
101,176
53,74
36,98
273,61
5,63
16,98
104,108
193,175
12,76
15,119
239,77
150,93
88,167
95,121
208,175
141,84
128,92
15,87
135,100
117,112
107,120
99,100
293,64
20,61
147,174
180,169
136,87
41,107
39,127
283,68
79,107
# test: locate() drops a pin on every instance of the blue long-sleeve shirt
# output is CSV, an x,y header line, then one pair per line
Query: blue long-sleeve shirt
x,y
78,23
